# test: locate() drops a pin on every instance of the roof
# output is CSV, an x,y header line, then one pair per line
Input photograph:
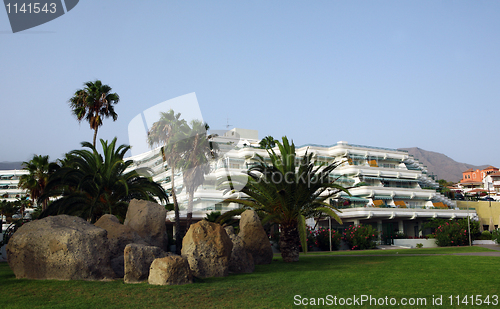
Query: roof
x,y
491,168
469,170
476,190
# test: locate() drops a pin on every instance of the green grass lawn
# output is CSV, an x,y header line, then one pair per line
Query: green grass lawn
x,y
276,285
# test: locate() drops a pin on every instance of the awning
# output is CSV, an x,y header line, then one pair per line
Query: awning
x,y
373,163
378,203
382,197
400,204
355,199
439,205
390,179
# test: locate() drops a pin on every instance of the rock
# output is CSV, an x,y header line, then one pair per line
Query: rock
x,y
170,270
207,249
148,220
137,261
60,247
117,264
255,238
241,260
119,236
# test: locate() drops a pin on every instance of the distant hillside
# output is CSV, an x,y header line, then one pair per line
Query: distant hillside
x,y
10,166
441,165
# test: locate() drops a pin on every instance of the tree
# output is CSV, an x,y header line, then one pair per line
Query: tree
x,y
90,185
94,102
267,142
39,169
288,191
197,151
9,208
169,132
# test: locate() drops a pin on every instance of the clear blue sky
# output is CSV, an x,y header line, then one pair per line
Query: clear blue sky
x,y
379,73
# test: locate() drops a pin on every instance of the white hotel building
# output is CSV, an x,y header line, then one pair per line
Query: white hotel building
x,y
390,189
9,185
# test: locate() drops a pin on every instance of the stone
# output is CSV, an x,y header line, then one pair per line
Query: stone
x,y
60,247
207,249
255,238
119,236
241,260
170,270
148,220
137,261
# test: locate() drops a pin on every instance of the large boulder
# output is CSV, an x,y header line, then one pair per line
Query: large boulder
x,y
60,247
241,260
170,270
207,249
255,238
148,220
119,236
137,260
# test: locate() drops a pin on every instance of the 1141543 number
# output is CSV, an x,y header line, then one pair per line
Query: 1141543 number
x,y
28,8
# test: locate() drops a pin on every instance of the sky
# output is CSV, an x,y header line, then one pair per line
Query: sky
x,y
389,74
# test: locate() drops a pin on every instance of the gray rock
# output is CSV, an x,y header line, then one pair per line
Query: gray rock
x,y
241,260
148,220
60,247
170,270
255,238
137,261
207,249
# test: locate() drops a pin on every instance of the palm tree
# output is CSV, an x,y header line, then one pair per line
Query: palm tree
x,y
94,102
267,142
39,169
287,192
170,132
90,185
195,163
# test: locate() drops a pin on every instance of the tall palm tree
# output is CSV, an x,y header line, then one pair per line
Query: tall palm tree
x,y
94,102
170,131
39,169
195,163
90,185
287,192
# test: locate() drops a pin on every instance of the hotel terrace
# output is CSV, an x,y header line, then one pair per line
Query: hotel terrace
x,y
390,189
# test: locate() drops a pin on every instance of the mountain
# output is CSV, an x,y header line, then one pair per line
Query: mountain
x,y
11,166
441,165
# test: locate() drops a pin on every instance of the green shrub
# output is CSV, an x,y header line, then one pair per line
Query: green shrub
x,y
322,239
495,235
486,235
451,234
419,245
360,237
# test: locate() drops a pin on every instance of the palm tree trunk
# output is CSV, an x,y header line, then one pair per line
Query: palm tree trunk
x,y
289,242
178,237
189,210
95,136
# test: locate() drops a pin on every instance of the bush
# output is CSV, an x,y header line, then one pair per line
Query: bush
x,y
322,239
419,245
451,234
486,235
360,237
495,235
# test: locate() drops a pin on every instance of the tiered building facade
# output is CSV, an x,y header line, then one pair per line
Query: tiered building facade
x,y
389,188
